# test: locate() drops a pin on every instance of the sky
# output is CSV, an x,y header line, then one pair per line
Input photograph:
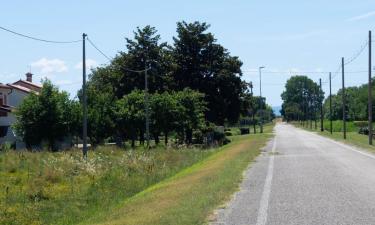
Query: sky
x,y
289,37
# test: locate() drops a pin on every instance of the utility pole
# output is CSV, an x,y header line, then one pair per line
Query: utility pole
x,y
261,100
252,108
343,97
321,107
84,132
147,109
369,91
330,102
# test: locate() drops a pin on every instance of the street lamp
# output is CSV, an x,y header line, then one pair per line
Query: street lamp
x,y
260,100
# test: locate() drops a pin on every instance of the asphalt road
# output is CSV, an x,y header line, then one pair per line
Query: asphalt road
x,y
303,178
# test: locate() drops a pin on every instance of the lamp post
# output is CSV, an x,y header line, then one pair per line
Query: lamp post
x,y
260,100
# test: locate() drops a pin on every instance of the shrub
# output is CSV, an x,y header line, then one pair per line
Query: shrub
x,y
228,133
244,131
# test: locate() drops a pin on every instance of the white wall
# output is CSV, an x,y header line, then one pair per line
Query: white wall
x,y
16,97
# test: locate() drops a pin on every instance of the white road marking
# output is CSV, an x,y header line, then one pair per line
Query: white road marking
x,y
263,207
347,147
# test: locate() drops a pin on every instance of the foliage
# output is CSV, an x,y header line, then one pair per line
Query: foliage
x,y
46,117
302,99
181,112
204,65
357,104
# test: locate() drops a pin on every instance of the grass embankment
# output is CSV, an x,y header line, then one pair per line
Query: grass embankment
x,y
353,137
190,196
60,188
122,187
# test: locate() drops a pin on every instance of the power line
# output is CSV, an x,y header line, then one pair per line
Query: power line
x,y
100,51
301,72
355,56
38,39
111,59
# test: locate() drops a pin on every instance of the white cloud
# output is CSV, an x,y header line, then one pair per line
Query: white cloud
x,y
90,64
362,17
50,66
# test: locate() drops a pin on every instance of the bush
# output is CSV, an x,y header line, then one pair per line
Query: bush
x,y
5,147
228,133
245,131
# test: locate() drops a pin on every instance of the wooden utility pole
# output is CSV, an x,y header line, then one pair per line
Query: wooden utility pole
x,y
369,91
330,102
84,95
321,107
343,96
253,108
147,109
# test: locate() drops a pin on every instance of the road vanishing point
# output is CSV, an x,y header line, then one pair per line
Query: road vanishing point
x,y
302,178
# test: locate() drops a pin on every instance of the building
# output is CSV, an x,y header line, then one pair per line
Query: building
x,y
11,96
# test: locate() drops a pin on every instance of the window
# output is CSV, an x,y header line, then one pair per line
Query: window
x,y
2,114
3,131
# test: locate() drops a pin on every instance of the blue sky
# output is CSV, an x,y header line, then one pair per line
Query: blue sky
x,y
287,37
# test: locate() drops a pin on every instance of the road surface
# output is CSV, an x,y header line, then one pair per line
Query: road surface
x,y
303,178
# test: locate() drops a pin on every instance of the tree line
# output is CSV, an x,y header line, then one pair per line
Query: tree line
x,y
356,103
302,99
194,83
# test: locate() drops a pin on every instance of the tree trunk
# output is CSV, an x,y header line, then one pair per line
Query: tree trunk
x,y
141,137
166,138
189,136
133,142
156,137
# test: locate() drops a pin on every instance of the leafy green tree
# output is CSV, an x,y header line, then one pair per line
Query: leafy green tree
x,y
100,115
356,107
130,116
49,116
303,96
164,113
190,113
203,65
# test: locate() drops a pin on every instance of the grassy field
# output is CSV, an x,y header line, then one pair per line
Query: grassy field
x,y
353,137
60,188
191,195
123,187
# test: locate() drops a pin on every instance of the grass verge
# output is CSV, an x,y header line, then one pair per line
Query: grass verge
x,y
191,195
353,138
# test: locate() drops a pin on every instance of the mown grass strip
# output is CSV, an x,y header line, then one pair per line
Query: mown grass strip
x,y
190,196
353,138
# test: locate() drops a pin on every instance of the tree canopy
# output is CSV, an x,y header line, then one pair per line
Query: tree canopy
x,y
301,99
47,117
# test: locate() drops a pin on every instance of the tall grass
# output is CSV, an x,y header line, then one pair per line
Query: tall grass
x,y
337,126
61,188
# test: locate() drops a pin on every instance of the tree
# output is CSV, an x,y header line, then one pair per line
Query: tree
x,y
164,113
205,66
302,98
48,117
190,113
100,114
130,116
356,107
